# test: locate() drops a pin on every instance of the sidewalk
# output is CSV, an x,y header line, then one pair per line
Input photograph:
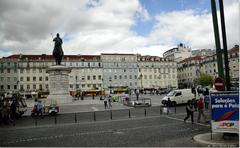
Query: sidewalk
x,y
216,141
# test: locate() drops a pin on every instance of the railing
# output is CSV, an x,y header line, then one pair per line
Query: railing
x,y
85,117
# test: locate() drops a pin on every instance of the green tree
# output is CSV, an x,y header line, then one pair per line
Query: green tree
x,y
205,79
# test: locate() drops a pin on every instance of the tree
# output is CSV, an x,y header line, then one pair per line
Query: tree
x,y
205,79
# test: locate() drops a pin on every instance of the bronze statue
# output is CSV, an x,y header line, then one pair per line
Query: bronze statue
x,y
57,51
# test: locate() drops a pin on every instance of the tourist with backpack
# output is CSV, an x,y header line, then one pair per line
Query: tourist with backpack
x,y
201,109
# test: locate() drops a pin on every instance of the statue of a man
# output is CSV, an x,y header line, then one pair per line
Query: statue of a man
x,y
57,51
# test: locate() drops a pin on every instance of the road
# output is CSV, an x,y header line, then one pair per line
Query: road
x,y
92,125
142,131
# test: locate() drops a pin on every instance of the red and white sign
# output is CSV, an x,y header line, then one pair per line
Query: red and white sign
x,y
219,84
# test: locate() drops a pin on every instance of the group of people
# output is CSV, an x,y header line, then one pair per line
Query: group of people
x,y
108,102
37,108
11,109
193,106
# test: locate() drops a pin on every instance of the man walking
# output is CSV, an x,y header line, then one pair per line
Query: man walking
x,y
190,111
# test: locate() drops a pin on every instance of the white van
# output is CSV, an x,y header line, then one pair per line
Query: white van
x,y
178,96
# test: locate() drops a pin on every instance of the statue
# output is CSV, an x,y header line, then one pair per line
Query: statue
x,y
57,51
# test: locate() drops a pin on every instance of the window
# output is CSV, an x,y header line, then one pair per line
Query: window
x,y
94,77
40,78
46,78
34,78
89,85
83,85
34,86
99,77
8,70
125,76
120,77
21,70
2,87
28,79
130,77
8,79
28,86
88,77
115,76
21,87
8,87
178,94
40,70
15,79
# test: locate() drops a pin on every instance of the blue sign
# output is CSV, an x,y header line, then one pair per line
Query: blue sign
x,y
225,110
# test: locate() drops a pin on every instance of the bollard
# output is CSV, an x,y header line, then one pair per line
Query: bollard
x,y
129,113
94,116
55,120
111,114
160,110
175,109
75,117
145,112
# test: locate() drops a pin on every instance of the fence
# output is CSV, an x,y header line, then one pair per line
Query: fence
x,y
81,117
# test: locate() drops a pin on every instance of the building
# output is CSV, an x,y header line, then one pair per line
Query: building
x,y
27,73
156,72
233,55
203,52
178,54
189,71
119,70
190,68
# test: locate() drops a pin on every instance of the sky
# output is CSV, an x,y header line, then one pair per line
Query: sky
x,y
147,27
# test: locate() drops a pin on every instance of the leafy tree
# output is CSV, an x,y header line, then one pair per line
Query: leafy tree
x,y
205,79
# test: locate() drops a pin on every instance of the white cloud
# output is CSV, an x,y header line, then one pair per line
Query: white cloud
x,y
195,27
100,26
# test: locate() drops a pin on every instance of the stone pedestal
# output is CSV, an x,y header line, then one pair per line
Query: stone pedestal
x,y
59,83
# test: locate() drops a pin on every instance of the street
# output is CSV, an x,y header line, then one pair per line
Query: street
x,y
87,123
142,131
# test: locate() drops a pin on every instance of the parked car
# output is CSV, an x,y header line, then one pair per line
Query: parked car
x,y
178,96
146,102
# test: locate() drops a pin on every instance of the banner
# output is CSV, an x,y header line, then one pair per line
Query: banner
x,y
225,111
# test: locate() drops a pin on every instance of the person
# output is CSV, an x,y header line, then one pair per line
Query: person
x,y
109,102
137,93
169,104
39,108
201,109
57,51
190,111
105,103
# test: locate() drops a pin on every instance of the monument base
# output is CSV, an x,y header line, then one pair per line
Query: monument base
x,y
59,83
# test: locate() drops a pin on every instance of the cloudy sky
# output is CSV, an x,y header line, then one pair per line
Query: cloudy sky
x,y
148,27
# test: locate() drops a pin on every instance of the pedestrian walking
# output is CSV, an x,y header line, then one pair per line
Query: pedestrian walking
x,y
201,109
169,104
105,103
137,93
39,108
190,111
110,102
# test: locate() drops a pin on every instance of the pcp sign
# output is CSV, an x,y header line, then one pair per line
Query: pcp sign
x,y
225,111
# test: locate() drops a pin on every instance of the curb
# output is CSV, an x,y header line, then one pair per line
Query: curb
x,y
217,140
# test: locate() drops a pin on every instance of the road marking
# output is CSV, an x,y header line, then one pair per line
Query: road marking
x,y
95,109
186,121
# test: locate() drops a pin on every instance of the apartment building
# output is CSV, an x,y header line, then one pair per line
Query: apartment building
x,y
189,71
190,68
156,72
234,64
27,73
119,70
